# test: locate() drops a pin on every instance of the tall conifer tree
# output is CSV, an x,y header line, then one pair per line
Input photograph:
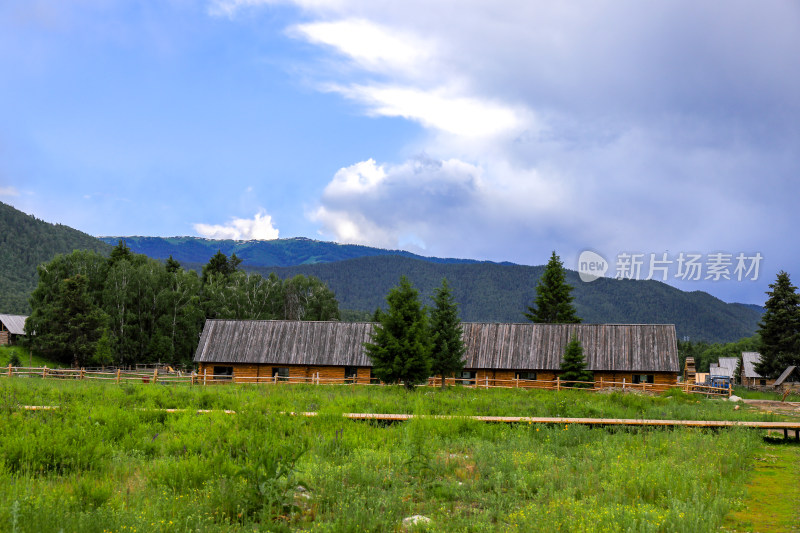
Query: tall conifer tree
x,y
400,347
780,328
553,303
447,346
574,364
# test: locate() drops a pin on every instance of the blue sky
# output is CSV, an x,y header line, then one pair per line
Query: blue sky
x,y
491,130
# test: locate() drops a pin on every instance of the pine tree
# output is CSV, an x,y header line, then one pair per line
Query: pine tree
x,y
172,265
574,364
400,347
553,299
220,264
120,252
69,324
447,346
780,328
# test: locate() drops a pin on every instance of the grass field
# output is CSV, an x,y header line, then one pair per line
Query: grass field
x,y
24,357
108,460
743,392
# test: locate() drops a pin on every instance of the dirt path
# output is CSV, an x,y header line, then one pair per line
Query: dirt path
x,y
781,408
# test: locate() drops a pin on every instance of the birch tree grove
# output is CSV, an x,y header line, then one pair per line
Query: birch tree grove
x,y
146,311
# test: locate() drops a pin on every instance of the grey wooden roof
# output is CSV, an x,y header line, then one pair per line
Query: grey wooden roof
x,y
15,324
786,373
614,347
749,362
725,367
284,342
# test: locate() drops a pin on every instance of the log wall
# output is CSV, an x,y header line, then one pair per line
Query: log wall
x,y
255,373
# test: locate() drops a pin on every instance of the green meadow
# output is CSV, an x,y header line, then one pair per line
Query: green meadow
x,y
109,458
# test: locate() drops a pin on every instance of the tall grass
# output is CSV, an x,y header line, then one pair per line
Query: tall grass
x,y
103,463
25,358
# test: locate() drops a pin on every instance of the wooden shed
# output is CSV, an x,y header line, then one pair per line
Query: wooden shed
x,y
789,379
751,378
496,353
11,327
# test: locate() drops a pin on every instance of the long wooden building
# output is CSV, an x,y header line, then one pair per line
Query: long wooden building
x,y
256,350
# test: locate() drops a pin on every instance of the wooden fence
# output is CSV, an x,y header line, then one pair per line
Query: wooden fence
x,y
205,378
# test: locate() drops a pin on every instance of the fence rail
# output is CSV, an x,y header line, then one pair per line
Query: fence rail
x,y
205,378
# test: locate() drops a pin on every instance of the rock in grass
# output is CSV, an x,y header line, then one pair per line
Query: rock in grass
x,y
734,398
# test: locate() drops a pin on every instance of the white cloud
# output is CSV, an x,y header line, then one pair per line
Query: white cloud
x,y
436,109
259,227
554,125
370,45
438,205
9,191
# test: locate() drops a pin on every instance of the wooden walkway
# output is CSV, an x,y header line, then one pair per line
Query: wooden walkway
x,y
636,422
628,422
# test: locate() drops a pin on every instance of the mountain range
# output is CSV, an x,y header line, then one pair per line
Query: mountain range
x,y
361,276
274,253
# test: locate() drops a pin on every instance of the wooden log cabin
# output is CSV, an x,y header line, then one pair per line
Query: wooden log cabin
x,y
497,354
751,378
11,328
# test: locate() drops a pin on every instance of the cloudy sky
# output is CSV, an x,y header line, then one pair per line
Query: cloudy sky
x,y
497,130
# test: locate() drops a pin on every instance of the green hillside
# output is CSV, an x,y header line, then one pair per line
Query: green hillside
x,y
277,252
500,293
25,243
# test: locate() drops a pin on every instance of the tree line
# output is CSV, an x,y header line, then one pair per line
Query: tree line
x,y
411,342
126,308
777,338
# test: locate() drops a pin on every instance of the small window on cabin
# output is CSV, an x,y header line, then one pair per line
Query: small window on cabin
x,y
467,377
643,378
763,382
223,373
525,375
350,374
281,372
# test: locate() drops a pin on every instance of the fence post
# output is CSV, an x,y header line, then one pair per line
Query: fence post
x,y
516,382
9,369
486,378
118,372
155,376
623,383
83,372
44,372
644,386
601,382
204,375
558,382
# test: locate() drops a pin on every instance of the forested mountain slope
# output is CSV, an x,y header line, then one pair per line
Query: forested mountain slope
x,y
500,293
25,243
